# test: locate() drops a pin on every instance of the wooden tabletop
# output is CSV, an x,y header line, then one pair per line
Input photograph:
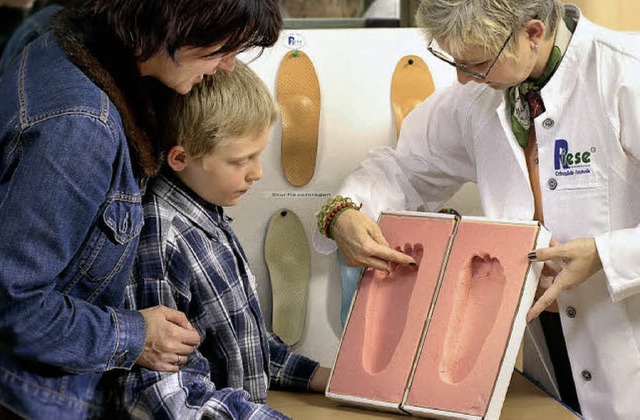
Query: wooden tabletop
x,y
524,401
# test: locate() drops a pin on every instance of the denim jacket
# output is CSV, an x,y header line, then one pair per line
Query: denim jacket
x,y
32,27
70,217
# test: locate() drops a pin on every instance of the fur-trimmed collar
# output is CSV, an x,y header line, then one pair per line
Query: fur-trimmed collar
x,y
112,69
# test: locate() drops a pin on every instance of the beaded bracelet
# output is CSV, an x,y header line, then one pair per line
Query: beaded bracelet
x,y
323,215
329,231
330,212
326,209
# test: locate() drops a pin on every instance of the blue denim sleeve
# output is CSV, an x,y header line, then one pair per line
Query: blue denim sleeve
x,y
288,369
34,26
49,201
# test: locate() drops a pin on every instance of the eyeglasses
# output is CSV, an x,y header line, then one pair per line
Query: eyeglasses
x,y
449,60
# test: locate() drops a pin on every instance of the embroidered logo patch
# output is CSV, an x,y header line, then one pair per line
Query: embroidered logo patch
x,y
569,163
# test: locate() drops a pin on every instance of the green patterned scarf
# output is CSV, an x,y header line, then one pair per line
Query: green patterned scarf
x,y
525,100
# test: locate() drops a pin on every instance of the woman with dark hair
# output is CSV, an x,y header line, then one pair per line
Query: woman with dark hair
x,y
77,130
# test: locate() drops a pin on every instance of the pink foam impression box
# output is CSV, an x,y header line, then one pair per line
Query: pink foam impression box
x,y
440,340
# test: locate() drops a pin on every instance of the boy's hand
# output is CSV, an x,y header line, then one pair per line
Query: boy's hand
x,y
320,379
169,341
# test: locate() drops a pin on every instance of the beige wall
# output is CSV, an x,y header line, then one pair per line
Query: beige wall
x,y
622,15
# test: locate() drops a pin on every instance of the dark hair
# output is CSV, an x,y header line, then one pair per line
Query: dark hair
x,y
147,26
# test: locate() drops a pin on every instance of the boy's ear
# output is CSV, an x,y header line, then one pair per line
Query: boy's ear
x,y
178,158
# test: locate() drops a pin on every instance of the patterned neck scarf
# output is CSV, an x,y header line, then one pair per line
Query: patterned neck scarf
x,y
525,99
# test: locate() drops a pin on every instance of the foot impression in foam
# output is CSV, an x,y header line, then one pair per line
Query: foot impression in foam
x,y
443,343
298,94
411,84
478,296
385,325
288,259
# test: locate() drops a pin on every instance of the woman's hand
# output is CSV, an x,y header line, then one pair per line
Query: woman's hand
x,y
578,260
361,242
549,272
169,341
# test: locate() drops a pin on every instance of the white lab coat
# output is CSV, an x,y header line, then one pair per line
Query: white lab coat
x,y
463,133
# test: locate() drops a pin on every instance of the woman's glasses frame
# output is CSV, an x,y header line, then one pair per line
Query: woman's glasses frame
x,y
462,67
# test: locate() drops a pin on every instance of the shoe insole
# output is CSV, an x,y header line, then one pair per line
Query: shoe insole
x,y
288,259
411,84
298,94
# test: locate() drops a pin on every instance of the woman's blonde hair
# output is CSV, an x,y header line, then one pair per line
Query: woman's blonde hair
x,y
224,107
457,25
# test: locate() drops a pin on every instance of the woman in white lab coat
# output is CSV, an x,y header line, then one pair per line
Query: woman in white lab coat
x,y
575,167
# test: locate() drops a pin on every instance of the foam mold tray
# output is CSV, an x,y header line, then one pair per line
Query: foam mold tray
x,y
440,340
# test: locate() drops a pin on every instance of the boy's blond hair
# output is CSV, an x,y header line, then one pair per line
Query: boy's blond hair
x,y
224,107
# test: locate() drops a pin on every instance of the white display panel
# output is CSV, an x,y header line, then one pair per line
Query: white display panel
x,y
354,69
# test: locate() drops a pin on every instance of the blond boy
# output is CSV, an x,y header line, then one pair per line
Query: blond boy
x,y
190,259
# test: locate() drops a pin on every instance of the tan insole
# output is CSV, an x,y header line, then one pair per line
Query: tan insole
x,y
298,94
288,259
411,84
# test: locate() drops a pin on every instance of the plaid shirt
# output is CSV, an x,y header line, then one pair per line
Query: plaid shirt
x,y
190,259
